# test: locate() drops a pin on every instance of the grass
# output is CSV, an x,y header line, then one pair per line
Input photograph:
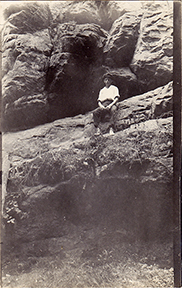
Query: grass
x,y
91,257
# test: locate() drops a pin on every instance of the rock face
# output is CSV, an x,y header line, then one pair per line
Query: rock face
x,y
77,48
153,58
97,12
63,166
54,56
150,105
26,61
26,51
80,12
29,18
122,40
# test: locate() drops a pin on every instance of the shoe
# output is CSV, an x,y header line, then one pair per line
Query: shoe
x,y
111,131
98,132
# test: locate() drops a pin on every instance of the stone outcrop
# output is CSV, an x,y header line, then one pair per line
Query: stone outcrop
x,y
60,175
25,63
77,49
26,51
98,12
153,58
54,56
151,105
122,39
23,18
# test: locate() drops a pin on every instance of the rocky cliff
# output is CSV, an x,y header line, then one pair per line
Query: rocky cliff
x,y
55,55
58,175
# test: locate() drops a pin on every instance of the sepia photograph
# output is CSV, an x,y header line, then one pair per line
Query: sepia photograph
x,y
90,121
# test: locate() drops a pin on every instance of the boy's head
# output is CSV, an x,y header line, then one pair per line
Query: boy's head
x,y
107,80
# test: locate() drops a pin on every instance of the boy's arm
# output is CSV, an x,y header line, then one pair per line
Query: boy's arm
x,y
113,102
100,105
99,101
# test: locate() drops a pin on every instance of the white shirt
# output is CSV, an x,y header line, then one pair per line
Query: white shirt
x,y
108,93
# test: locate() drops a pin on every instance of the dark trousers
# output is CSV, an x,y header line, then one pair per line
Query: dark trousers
x,y
103,115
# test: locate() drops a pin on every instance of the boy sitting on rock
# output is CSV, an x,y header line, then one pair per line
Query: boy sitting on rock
x,y
108,97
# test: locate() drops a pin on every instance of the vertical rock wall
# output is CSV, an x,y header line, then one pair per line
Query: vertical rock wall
x,y
153,58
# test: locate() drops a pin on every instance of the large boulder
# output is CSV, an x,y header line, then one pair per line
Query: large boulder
x,y
84,43
27,17
75,59
154,104
25,64
153,58
121,43
26,50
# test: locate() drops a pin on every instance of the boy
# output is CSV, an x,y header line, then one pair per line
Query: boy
x,y
108,97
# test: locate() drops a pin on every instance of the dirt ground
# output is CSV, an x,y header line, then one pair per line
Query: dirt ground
x,y
88,257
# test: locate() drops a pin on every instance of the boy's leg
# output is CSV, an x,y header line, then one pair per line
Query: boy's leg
x,y
113,112
97,114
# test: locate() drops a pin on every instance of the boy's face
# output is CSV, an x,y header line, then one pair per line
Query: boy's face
x,y
107,82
